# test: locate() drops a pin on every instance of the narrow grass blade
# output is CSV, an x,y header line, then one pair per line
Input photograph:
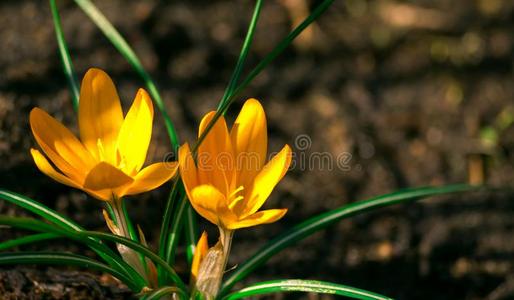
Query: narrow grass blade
x,y
165,291
167,216
102,250
57,219
323,220
38,209
141,249
132,232
176,227
65,56
64,223
27,224
191,231
165,228
124,48
44,258
309,286
30,239
244,53
263,64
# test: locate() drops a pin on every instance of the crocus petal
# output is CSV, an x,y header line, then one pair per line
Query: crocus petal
x,y
205,199
61,146
104,176
100,115
250,141
188,171
44,166
152,177
262,217
266,181
201,249
110,223
104,195
215,156
136,132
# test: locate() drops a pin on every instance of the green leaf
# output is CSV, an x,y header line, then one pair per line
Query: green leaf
x,y
52,216
244,53
40,226
45,258
165,291
141,249
165,227
323,220
309,286
85,237
30,239
176,227
102,250
132,232
28,224
123,47
262,65
191,232
167,216
65,56
38,209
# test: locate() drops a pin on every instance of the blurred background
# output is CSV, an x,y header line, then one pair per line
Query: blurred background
x,y
412,92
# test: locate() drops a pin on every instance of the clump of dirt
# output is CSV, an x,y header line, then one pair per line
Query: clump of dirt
x,y
29,283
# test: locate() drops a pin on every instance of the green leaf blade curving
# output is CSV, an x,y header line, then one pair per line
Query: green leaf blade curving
x,y
323,220
309,286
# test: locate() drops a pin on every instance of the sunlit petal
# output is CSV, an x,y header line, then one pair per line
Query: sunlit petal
x,y
61,146
250,141
44,166
188,171
110,223
215,156
105,176
266,181
201,249
205,200
104,195
261,217
152,177
100,115
136,132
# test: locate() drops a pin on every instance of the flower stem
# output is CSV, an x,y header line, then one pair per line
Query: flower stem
x,y
121,222
226,240
122,226
213,266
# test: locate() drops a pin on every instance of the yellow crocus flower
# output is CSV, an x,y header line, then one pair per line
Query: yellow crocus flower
x,y
230,181
107,161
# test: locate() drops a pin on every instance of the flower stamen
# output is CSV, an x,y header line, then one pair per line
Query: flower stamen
x,y
233,199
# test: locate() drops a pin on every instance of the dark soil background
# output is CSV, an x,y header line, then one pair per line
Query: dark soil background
x,y
416,92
